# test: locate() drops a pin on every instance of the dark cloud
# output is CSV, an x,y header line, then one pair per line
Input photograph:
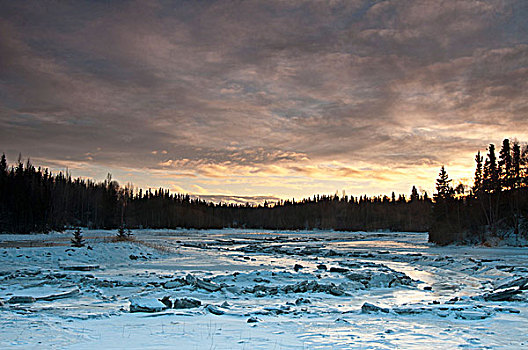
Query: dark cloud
x,y
242,88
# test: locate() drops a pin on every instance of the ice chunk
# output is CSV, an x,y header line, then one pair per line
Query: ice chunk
x,y
186,303
146,305
472,315
64,295
505,295
80,267
368,308
214,310
21,299
208,286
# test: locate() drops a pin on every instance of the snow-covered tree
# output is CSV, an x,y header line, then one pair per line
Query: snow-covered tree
x,y
77,240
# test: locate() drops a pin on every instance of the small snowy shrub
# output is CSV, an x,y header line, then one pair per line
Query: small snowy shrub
x,y
123,234
77,240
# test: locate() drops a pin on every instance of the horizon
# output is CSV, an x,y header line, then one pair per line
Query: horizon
x,y
235,199
263,100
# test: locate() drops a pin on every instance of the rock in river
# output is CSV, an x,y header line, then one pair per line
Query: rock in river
x,y
297,267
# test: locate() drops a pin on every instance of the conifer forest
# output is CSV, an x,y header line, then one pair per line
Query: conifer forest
x,y
35,200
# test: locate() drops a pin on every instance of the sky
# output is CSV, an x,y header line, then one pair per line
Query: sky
x,y
253,100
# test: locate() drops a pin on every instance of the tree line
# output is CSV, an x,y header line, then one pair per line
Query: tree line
x,y
35,200
495,206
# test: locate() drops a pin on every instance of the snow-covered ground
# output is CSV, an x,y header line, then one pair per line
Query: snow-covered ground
x,y
248,289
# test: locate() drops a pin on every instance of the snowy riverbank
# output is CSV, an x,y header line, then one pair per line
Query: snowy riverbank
x,y
241,289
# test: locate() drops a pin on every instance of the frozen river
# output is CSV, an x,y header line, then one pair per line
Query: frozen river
x,y
256,289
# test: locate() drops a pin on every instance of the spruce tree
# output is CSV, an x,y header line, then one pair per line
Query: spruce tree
x,y
441,226
3,165
505,165
516,165
477,185
414,194
77,240
490,180
443,187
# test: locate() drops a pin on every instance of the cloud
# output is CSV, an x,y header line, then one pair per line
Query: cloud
x,y
294,92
